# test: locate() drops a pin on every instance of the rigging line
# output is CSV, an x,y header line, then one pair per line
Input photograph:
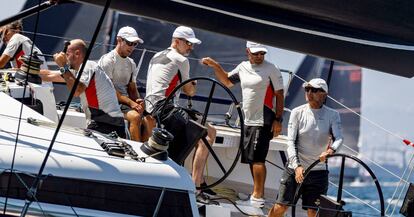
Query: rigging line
x,y
355,197
35,184
141,59
27,188
113,45
375,163
404,186
21,107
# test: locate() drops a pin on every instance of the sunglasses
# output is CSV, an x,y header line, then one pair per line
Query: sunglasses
x,y
186,42
258,53
313,90
131,44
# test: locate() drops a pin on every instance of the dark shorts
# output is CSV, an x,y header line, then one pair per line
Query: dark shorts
x,y
176,120
107,128
124,108
256,144
315,184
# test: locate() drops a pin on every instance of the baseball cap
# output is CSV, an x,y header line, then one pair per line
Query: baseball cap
x,y
186,33
255,47
317,83
128,33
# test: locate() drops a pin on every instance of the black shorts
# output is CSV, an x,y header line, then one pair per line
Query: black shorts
x,y
107,128
315,184
124,108
256,144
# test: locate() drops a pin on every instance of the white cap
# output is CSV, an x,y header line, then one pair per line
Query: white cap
x,y
317,83
128,33
255,47
186,33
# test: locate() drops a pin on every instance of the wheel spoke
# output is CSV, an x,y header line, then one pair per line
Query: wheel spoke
x,y
341,181
210,149
210,97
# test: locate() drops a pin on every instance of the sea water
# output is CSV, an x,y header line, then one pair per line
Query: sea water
x,y
362,198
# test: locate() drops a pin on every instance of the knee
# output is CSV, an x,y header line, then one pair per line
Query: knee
x,y
134,117
211,131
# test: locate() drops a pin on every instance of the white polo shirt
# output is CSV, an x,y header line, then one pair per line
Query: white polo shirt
x,y
258,84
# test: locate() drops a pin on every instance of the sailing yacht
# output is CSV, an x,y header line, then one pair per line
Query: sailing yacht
x,y
310,30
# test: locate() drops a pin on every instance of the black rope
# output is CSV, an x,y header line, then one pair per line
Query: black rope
x,y
33,189
21,110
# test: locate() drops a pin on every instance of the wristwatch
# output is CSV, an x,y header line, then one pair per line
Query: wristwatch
x,y
64,69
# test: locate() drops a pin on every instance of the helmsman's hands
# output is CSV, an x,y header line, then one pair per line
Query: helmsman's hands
x,y
299,174
326,153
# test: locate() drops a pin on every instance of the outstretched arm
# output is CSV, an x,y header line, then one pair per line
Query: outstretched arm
x,y
221,75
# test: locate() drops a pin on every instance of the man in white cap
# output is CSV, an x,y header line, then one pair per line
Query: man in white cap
x,y
166,70
314,132
261,82
123,73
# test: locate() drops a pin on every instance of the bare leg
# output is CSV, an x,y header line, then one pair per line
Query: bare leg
x,y
312,213
148,123
278,210
200,156
134,119
259,178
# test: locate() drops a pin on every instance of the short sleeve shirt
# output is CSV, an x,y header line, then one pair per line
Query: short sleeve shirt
x,y
100,93
166,70
20,45
120,70
258,83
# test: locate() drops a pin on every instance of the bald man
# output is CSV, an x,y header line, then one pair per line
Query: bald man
x,y
97,93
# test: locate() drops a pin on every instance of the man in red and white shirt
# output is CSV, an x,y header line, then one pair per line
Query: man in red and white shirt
x,y
166,70
96,91
261,82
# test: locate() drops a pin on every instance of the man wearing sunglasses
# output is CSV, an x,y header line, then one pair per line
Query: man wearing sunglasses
x,y
122,71
261,82
314,132
166,70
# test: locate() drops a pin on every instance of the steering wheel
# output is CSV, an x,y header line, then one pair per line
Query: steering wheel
x,y
341,180
225,171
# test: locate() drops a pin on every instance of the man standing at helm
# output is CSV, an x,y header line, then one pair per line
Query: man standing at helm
x,y
123,73
261,82
314,132
166,70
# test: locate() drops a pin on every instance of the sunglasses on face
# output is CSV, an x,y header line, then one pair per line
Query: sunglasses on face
x,y
313,90
131,44
258,53
186,42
